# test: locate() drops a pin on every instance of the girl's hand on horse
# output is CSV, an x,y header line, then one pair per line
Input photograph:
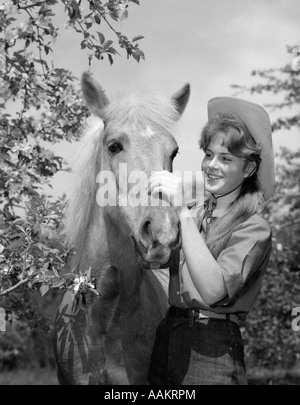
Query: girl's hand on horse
x,y
170,186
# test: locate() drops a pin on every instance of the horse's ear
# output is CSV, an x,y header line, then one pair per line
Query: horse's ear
x,y
93,94
181,98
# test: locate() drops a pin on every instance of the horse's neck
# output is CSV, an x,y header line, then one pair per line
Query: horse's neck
x,y
107,245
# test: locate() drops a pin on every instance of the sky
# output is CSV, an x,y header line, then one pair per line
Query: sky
x,y
209,44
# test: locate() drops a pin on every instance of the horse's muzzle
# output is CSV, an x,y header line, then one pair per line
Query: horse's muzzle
x,y
158,237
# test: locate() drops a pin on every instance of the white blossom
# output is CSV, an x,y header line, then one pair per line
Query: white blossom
x,y
5,270
82,280
21,147
296,63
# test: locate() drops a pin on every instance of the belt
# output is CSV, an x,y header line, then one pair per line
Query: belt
x,y
198,314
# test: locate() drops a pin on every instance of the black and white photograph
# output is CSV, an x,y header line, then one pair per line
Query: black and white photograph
x,y
149,195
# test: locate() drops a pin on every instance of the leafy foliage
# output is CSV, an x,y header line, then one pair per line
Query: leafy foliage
x,y
270,340
96,42
285,82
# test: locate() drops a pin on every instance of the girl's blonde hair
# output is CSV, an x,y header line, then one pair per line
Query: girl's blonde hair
x,y
239,142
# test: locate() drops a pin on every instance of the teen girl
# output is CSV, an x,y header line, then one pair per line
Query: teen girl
x,y
225,249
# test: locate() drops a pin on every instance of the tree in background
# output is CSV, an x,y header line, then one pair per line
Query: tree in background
x,y
270,339
48,108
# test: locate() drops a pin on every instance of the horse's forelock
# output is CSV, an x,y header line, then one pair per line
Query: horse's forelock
x,y
143,109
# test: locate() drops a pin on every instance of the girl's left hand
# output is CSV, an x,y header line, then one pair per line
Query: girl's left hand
x,y
169,185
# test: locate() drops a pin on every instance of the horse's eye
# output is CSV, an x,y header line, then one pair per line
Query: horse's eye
x,y
115,147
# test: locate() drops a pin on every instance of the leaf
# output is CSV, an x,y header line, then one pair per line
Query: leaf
x,y
47,49
35,280
124,15
42,62
114,15
16,244
55,272
110,58
58,283
107,44
101,37
14,235
2,59
93,290
44,289
70,276
55,252
18,221
45,267
137,38
138,54
21,228
97,19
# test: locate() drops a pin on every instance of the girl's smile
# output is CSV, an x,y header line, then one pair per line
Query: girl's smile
x,y
213,177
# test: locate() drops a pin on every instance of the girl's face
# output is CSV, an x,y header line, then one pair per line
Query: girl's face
x,y
222,171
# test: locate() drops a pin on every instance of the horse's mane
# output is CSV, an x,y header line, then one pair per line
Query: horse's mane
x,y
82,188
148,108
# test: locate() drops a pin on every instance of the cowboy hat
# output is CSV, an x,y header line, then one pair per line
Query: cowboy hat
x,y
258,122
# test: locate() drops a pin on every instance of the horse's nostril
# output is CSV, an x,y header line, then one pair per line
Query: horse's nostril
x,y
146,233
154,244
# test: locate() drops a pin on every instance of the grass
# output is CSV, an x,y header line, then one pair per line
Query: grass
x,y
47,376
263,376
30,376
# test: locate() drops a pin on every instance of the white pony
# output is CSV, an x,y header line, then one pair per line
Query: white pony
x,y
108,338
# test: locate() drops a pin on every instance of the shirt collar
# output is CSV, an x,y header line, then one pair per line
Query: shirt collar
x,y
222,202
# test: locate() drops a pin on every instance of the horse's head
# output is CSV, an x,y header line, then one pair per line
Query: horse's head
x,y
136,140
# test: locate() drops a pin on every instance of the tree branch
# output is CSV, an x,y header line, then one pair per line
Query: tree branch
x,y
14,287
40,3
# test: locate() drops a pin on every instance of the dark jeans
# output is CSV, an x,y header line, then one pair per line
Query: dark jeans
x,y
205,352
